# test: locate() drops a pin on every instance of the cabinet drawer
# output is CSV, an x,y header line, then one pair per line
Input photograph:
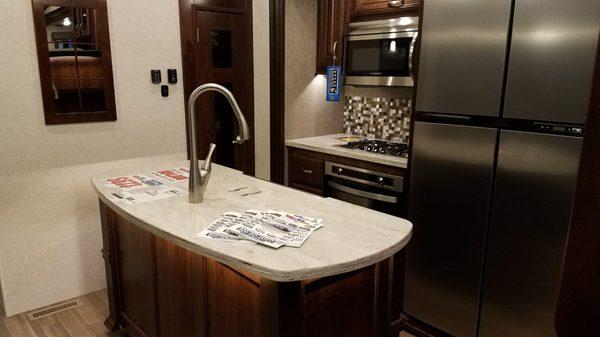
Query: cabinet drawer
x,y
304,171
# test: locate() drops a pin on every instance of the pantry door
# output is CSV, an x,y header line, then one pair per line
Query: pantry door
x,y
221,57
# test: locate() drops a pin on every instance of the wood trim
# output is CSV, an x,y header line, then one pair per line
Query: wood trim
x,y
39,20
131,328
250,148
188,52
415,327
187,26
110,255
277,55
578,311
281,309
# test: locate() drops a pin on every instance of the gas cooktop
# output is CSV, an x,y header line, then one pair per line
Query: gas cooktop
x,y
379,146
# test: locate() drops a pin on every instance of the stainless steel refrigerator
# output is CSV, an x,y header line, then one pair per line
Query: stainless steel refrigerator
x,y
502,98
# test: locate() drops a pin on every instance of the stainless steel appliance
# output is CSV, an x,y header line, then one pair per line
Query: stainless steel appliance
x,y
380,53
502,97
379,146
375,190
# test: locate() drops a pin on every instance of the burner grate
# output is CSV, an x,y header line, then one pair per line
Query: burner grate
x,y
380,146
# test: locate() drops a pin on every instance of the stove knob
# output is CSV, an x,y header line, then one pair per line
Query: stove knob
x,y
340,170
380,181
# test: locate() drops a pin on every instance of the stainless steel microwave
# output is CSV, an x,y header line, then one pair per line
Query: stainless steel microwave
x,y
380,53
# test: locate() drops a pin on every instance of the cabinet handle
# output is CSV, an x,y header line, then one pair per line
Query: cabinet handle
x,y
396,3
307,171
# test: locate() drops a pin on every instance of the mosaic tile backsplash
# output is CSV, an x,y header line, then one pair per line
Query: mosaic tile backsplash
x,y
376,117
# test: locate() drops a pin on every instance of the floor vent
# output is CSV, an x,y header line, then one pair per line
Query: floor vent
x,y
51,310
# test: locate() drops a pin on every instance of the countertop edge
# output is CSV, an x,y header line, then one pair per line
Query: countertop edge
x,y
331,150
267,273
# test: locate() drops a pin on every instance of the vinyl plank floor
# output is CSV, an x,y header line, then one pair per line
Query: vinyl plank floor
x,y
4,329
86,320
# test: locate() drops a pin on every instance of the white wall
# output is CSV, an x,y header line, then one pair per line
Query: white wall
x,y
49,223
262,112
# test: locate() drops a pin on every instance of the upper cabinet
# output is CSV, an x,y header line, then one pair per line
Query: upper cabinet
x,y
334,15
332,19
366,9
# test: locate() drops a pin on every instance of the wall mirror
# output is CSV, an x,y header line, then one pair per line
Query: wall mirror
x,y
73,46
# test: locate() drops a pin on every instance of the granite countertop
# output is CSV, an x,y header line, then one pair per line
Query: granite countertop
x,y
353,237
331,144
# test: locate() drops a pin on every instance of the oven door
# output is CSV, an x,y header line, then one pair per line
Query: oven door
x,y
378,191
380,59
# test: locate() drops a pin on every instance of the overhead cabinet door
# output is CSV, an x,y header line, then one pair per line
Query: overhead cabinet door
x,y
463,53
552,59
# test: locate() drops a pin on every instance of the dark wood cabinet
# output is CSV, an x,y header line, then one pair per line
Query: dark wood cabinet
x,y
159,289
332,20
306,169
135,249
374,9
306,172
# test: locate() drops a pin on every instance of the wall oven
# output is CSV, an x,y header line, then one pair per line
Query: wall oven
x,y
375,190
380,53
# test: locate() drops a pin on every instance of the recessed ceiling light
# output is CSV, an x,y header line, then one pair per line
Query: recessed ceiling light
x,y
66,22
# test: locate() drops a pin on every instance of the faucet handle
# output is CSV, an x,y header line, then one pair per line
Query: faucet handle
x,y
208,161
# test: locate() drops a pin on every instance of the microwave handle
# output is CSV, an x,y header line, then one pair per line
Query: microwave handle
x,y
411,58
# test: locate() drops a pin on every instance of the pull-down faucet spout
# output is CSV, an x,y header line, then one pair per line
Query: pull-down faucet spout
x,y
199,176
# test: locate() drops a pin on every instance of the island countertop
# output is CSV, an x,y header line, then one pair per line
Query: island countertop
x,y
352,237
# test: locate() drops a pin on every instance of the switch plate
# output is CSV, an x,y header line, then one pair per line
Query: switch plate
x,y
156,76
172,74
164,90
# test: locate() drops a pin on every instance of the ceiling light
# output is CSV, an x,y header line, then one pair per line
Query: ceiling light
x,y
66,22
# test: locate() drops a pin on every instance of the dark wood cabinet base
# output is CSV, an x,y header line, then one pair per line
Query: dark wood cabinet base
x,y
158,289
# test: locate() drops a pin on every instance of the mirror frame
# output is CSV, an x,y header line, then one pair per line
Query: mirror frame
x,y
39,20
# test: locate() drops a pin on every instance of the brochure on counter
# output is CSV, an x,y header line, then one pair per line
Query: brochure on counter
x,y
140,188
271,228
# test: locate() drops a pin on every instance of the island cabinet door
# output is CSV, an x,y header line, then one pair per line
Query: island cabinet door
x,y
180,291
135,254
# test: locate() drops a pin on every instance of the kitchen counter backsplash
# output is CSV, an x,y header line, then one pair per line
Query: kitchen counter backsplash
x,y
378,117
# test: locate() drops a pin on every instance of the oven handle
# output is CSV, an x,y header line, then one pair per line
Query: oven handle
x,y
364,194
411,53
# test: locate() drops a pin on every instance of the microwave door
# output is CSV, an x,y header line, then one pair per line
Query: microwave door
x,y
382,59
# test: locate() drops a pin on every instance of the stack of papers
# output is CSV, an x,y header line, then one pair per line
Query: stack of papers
x,y
270,228
139,188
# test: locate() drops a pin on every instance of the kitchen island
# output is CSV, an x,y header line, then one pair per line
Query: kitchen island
x,y
163,281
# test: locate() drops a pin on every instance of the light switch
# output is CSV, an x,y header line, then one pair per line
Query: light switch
x,y
156,76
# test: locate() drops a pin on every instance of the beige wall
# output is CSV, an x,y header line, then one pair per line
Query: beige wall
x,y
49,225
307,113
50,236
262,112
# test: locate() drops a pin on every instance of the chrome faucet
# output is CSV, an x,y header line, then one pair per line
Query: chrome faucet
x,y
199,176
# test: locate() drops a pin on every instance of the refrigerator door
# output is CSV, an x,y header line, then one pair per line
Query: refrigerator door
x,y
552,56
452,171
531,211
463,54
